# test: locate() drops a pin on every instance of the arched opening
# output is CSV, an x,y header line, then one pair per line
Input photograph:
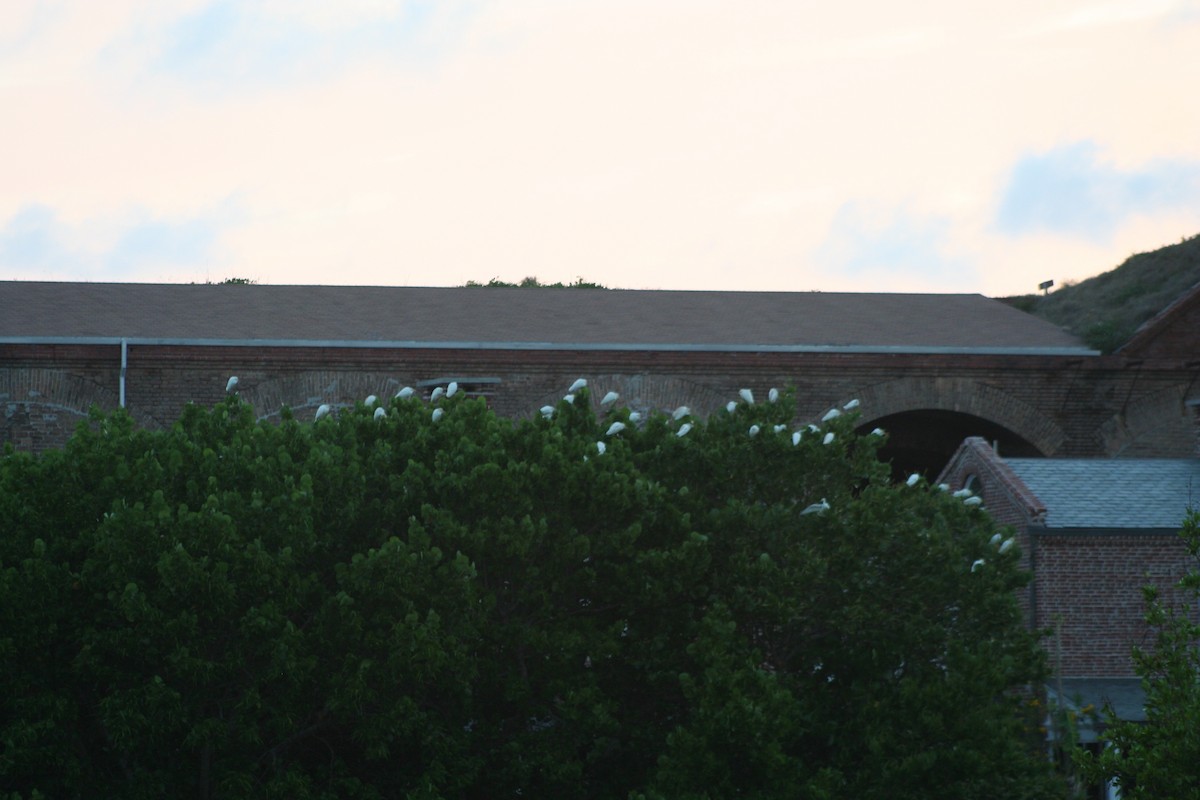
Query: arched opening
x,y
923,441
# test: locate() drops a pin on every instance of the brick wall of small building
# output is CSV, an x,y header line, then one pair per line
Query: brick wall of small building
x,y
1089,594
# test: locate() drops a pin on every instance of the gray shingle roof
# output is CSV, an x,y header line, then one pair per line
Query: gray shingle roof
x,y
529,317
1111,493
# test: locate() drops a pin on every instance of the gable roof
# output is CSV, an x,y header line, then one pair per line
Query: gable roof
x,y
1148,332
1111,493
496,317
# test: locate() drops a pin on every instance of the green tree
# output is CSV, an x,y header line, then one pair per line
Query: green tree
x,y
398,606
1158,758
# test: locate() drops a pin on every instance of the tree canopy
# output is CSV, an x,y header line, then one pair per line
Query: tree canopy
x,y
427,603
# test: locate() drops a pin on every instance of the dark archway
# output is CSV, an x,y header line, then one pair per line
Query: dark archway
x,y
923,441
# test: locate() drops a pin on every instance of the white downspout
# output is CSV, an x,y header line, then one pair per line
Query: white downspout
x,y
124,363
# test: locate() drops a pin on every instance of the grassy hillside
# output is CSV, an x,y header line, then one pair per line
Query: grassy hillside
x,y
1105,310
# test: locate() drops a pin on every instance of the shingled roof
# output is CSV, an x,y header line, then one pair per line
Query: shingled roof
x,y
1111,493
495,317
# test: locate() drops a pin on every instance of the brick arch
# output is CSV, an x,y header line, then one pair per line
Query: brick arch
x,y
647,392
304,392
965,396
41,407
1155,425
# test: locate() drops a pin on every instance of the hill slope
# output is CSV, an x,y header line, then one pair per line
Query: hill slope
x,y
1105,310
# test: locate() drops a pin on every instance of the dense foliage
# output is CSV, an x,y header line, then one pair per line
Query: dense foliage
x,y
1161,757
397,606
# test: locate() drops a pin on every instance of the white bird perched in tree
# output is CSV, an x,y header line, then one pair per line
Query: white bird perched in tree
x,y
680,413
995,540
436,393
796,437
577,385
570,398
779,428
853,404
814,428
753,431
1008,543
437,414
380,413
878,432
610,398
615,428
322,411
913,479
747,395
547,411
231,384
976,564
404,393
943,487
684,429
635,417
731,406
973,501
601,447
829,437
816,508
452,389
773,395
961,493
371,400
832,413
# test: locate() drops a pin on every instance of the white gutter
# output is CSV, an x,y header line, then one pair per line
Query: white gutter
x,y
573,346
124,364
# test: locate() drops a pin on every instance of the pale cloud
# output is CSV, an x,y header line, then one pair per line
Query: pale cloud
x,y
892,248
1072,191
36,242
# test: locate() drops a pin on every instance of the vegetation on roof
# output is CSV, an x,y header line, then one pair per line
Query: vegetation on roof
x,y
531,282
1106,310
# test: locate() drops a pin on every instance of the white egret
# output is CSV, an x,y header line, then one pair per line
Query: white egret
x,y
380,413
829,437
995,540
680,413
231,385
731,406
547,411
973,501
437,414
773,395
961,493
577,385
796,437
404,393
452,389
878,432
371,400
853,404
913,479
753,431
943,487
814,428
816,508
747,395
322,411
832,413
615,428
976,564
1008,544
601,447
610,398
683,429
635,417
779,428
570,398
436,393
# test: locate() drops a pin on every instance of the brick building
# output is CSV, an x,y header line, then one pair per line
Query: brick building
x,y
931,369
1092,532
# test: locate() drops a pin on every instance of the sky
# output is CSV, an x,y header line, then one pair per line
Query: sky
x,y
925,146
